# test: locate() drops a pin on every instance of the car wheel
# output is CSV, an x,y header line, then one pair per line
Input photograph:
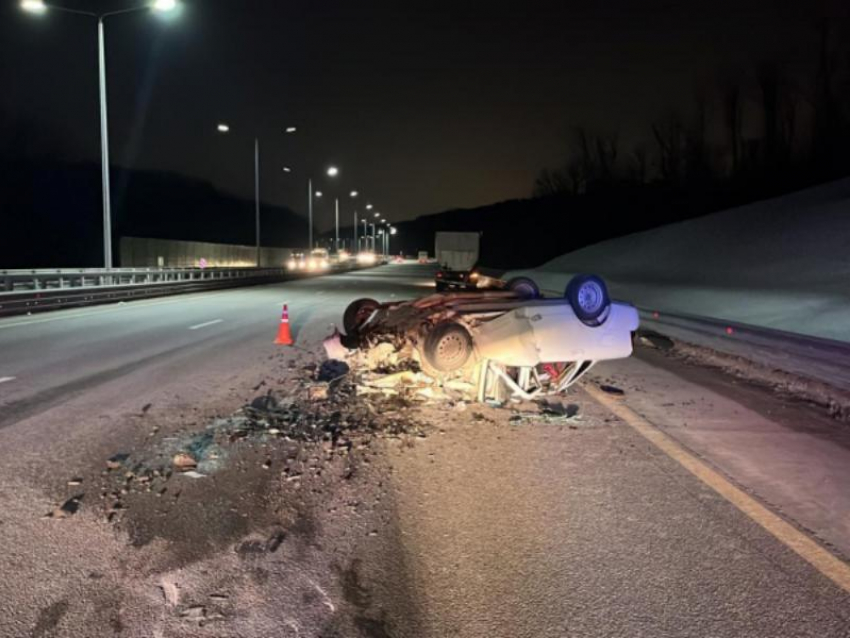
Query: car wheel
x,y
588,296
441,287
447,347
357,313
524,288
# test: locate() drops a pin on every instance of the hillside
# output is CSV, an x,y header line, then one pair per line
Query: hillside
x,y
781,263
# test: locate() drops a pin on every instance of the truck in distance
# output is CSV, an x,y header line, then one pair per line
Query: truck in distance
x,y
457,255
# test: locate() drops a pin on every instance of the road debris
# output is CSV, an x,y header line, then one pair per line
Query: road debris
x,y
68,508
275,541
184,462
332,370
196,613
558,409
335,416
318,392
170,592
115,461
610,389
655,340
548,412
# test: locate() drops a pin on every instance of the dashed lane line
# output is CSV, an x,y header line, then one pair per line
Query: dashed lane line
x,y
205,324
108,309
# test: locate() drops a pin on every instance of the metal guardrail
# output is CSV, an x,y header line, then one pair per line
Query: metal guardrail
x,y
28,291
44,279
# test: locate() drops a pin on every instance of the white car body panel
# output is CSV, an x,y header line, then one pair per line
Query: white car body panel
x,y
531,335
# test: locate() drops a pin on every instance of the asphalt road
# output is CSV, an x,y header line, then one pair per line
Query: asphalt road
x,y
49,358
490,529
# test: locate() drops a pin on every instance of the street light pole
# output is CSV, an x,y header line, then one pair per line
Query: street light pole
x,y
310,211
41,7
104,146
355,247
336,222
257,194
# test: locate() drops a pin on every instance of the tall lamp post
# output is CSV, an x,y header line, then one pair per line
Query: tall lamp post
x,y
354,195
369,207
333,171
224,129
393,230
40,7
374,238
318,196
311,195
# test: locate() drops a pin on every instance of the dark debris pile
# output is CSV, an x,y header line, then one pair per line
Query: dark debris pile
x,y
315,405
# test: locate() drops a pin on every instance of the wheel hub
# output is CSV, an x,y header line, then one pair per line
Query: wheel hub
x,y
451,349
589,297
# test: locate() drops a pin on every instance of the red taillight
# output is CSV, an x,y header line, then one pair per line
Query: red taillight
x,y
439,275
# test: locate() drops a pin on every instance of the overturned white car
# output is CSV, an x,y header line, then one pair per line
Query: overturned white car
x,y
503,343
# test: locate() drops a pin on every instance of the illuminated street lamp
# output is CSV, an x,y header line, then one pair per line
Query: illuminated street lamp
x,y
39,7
332,171
223,127
393,230
34,6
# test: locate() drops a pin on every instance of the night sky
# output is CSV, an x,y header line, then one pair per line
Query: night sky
x,y
424,106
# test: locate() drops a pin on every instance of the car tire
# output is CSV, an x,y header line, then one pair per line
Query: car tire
x,y
447,347
588,297
524,288
441,287
357,313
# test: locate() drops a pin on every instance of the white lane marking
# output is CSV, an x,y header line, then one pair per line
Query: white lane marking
x,y
205,324
109,308
7,379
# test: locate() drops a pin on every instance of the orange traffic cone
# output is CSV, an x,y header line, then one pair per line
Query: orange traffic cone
x,y
284,336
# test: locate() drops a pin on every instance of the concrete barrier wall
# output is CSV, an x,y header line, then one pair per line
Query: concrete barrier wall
x,y
140,252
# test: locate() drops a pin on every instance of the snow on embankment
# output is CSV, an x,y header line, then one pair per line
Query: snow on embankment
x,y
782,263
